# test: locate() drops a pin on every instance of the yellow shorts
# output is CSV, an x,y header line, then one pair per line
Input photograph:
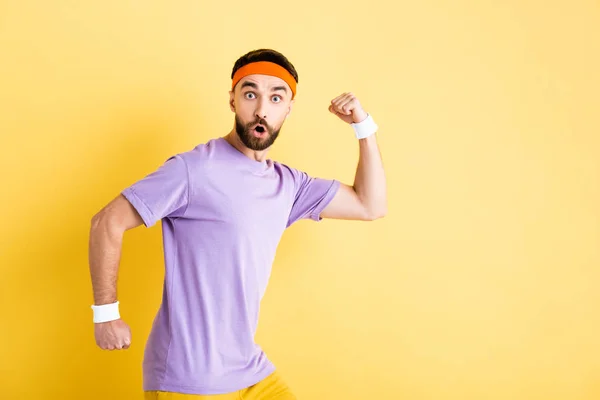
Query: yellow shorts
x,y
273,387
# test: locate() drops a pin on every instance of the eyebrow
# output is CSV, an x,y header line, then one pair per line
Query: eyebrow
x,y
255,86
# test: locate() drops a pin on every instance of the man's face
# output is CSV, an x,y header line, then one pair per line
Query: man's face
x,y
261,104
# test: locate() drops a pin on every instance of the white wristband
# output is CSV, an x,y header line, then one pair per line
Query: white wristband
x,y
365,128
106,312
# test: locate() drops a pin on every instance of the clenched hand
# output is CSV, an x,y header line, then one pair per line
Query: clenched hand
x,y
112,335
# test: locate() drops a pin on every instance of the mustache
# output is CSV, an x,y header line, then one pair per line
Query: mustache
x,y
260,121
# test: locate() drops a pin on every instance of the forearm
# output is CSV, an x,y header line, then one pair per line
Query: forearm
x,y
104,257
370,182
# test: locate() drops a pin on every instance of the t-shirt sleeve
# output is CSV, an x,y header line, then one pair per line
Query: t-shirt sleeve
x,y
312,195
162,193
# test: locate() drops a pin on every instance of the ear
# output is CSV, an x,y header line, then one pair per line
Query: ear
x,y
289,108
232,100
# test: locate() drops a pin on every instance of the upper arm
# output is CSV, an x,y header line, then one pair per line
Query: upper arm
x,y
119,214
162,193
346,205
311,195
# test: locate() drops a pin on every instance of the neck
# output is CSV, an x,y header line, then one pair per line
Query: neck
x,y
233,139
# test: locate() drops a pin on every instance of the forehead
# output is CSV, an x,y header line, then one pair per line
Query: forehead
x,y
264,81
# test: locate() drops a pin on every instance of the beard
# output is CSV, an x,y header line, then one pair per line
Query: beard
x,y
244,131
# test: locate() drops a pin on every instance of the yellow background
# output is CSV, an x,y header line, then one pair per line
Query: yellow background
x,y
482,281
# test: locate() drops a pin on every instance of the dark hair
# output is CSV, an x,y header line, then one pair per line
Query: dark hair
x,y
265,55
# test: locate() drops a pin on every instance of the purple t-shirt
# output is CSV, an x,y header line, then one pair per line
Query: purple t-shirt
x,y
223,215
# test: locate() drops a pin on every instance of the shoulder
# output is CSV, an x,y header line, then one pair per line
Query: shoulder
x,y
200,152
200,156
288,172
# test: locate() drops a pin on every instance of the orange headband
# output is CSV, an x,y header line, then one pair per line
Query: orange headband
x,y
265,68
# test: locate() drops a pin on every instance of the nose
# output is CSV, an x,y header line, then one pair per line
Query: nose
x,y
261,110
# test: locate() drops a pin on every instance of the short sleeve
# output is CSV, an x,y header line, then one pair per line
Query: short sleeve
x,y
312,195
163,193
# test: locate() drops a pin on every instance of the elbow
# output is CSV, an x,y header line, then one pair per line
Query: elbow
x,y
102,217
96,220
105,223
376,214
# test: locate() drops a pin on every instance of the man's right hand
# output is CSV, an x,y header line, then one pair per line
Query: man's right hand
x,y
112,335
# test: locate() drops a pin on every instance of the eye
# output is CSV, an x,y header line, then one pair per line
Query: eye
x,y
277,97
247,94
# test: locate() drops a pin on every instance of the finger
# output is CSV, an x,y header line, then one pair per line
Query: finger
x,y
347,105
343,102
345,108
333,110
345,97
338,98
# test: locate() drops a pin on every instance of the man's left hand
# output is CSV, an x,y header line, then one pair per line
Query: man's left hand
x,y
348,108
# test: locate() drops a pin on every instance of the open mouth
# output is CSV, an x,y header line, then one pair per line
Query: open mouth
x,y
259,131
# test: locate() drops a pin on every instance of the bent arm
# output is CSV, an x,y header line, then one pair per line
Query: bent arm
x,y
106,237
367,199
